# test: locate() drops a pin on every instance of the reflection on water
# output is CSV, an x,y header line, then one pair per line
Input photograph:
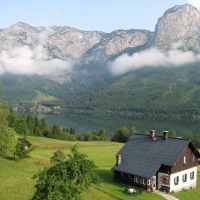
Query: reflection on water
x,y
83,122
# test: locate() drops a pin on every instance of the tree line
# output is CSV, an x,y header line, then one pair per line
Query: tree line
x,y
31,125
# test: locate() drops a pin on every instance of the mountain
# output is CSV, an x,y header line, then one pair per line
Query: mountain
x,y
72,44
179,24
90,52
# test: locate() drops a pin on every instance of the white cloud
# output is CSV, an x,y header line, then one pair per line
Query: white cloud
x,y
195,3
151,57
32,60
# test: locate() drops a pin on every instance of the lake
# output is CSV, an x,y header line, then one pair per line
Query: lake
x,y
84,122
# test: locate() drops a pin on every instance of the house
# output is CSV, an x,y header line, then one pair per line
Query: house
x,y
26,143
157,162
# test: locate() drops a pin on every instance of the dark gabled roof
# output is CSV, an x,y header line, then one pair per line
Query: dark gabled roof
x,y
142,156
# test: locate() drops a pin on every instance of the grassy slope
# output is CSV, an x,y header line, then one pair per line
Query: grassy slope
x,y
43,97
16,181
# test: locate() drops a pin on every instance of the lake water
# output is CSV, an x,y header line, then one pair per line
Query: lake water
x,y
83,122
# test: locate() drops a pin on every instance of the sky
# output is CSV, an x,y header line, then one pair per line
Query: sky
x,y
99,15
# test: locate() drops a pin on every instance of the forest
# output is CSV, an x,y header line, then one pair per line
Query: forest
x,y
164,91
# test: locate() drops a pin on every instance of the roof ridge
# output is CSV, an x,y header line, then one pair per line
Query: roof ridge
x,y
180,138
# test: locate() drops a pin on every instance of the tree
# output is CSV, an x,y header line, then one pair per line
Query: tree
x,y
7,135
21,152
43,125
58,157
56,131
66,180
36,121
21,126
172,133
133,130
7,141
30,123
121,135
102,134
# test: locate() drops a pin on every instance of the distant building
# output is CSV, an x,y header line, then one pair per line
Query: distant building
x,y
26,142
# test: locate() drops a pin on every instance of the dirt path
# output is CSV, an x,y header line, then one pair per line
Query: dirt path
x,y
165,195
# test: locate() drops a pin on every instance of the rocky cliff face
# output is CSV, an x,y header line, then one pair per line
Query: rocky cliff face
x,y
72,44
115,42
180,24
61,42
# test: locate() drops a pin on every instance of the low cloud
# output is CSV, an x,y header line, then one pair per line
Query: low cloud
x,y
32,59
195,3
152,57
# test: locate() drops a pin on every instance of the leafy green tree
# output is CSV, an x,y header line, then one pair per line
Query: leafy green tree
x,y
121,135
133,130
145,132
7,141
21,126
66,180
21,152
58,157
7,135
11,118
102,134
172,133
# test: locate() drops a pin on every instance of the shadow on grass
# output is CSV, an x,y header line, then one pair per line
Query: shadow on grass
x,y
113,188
8,158
105,175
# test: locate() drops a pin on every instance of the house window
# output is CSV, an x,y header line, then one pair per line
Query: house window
x,y
184,177
192,175
136,179
185,160
142,181
176,180
148,182
165,179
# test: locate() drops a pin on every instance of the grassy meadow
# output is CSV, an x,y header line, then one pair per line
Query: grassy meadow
x,y
16,176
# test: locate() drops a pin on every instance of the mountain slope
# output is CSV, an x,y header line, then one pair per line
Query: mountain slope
x,y
171,91
90,51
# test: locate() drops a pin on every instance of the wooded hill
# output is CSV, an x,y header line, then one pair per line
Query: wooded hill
x,y
149,90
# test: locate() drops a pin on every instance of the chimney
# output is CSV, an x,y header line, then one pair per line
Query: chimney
x,y
152,133
165,135
118,159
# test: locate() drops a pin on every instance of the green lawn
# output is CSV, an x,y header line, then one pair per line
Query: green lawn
x,y
16,177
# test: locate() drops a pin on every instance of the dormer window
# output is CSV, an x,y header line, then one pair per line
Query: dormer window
x,y
185,160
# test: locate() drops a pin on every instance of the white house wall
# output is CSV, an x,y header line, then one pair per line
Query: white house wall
x,y
181,185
